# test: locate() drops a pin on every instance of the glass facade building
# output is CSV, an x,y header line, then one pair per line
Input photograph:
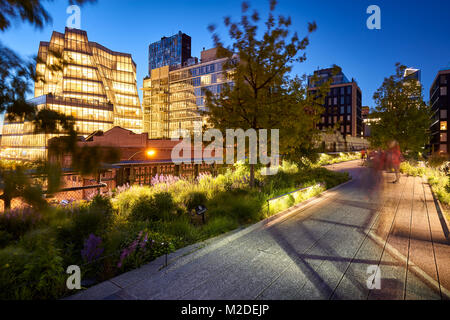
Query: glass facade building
x,y
440,108
343,103
411,73
96,86
172,51
174,96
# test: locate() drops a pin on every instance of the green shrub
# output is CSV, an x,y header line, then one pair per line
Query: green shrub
x,y
240,205
120,234
164,203
310,177
34,239
5,238
437,160
327,159
159,206
12,264
412,170
18,222
102,205
181,229
195,199
86,219
143,209
142,248
126,200
218,225
440,183
26,275
281,180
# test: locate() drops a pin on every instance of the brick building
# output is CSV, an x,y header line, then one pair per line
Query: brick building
x,y
140,159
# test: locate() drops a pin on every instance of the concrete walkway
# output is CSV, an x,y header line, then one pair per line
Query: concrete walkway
x,y
323,250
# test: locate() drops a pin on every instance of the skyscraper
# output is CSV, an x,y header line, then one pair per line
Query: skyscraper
x,y
343,105
171,51
440,107
411,73
173,95
96,86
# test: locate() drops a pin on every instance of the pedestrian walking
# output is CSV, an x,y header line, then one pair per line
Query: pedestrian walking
x,y
395,155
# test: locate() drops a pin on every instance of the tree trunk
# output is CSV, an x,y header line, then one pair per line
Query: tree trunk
x,y
6,202
252,176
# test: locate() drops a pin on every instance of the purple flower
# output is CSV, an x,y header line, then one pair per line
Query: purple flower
x,y
168,180
144,241
136,244
92,248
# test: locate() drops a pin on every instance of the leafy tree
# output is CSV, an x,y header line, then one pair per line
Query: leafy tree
x,y
401,112
88,161
26,181
299,118
91,160
262,95
31,11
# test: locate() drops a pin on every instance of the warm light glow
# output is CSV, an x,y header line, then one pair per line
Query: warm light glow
x,y
151,153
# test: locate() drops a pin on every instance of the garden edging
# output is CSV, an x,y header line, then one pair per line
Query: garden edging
x,y
442,217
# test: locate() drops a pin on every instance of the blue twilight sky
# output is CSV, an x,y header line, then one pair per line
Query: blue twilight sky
x,y
413,32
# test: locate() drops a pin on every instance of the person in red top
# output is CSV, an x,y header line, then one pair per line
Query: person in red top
x,y
395,159
363,156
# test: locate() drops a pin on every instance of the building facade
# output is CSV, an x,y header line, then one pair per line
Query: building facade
x,y
173,96
365,113
95,85
172,51
412,74
343,104
136,166
440,107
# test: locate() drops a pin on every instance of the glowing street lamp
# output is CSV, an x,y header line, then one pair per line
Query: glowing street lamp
x,y
150,153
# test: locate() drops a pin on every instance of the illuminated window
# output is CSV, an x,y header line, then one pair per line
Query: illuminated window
x,y
206,80
443,137
443,125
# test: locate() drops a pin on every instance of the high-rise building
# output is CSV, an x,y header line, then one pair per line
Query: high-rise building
x,y
172,51
174,95
440,107
96,86
343,105
411,73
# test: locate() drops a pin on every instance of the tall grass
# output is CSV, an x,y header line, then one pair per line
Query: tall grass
x,y
436,177
139,224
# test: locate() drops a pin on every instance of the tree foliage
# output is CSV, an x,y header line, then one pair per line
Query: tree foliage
x,y
31,11
27,181
262,94
401,113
